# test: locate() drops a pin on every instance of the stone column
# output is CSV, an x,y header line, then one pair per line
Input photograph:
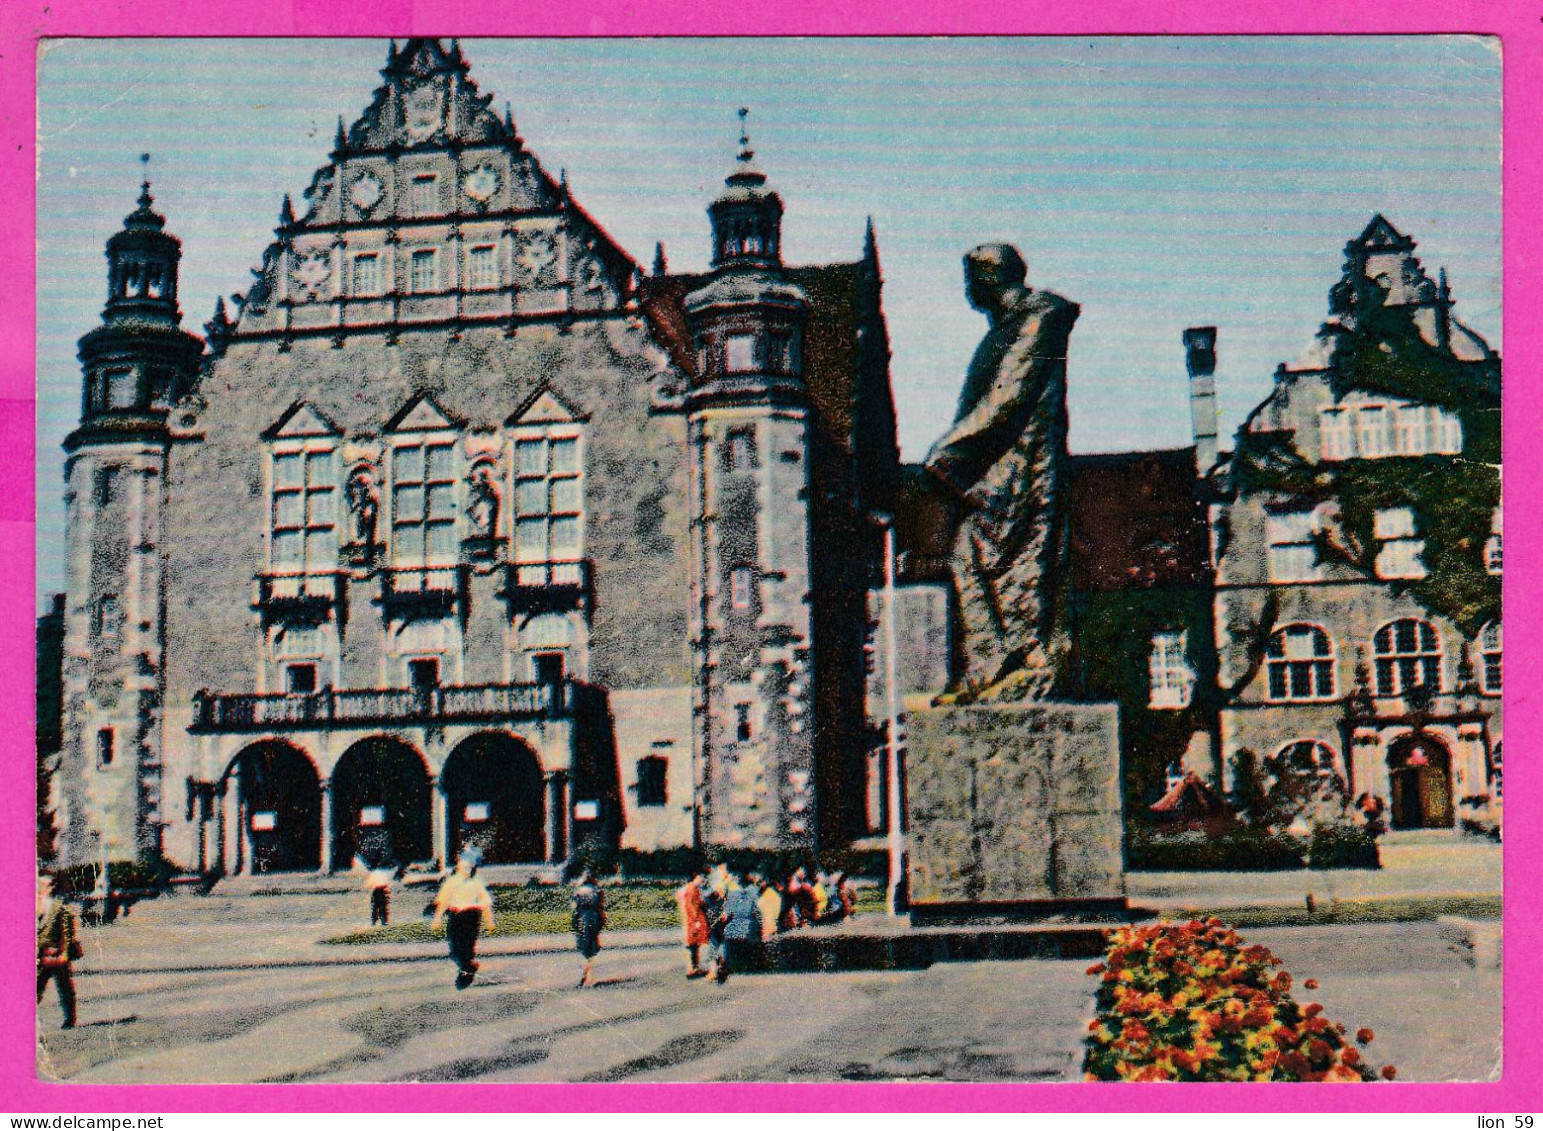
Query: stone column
x,y
326,826
222,850
440,818
556,812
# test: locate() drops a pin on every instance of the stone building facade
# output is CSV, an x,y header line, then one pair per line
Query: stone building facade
x,y
1356,534
466,531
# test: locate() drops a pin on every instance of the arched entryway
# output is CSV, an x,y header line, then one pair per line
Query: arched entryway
x,y
1420,769
494,800
277,809
380,804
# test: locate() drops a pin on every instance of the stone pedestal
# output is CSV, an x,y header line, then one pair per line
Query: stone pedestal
x,y
1015,808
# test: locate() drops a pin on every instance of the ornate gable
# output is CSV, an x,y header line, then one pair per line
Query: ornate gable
x,y
300,420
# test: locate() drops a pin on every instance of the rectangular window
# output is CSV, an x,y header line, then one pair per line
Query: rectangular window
x,y
779,353
484,268
366,274
104,747
548,499
652,775
423,674
1293,550
740,582
1410,429
739,353
122,388
423,504
106,485
1399,555
1448,432
742,721
300,679
1334,427
423,272
1172,678
304,513
425,194
1492,555
741,452
1372,430
106,618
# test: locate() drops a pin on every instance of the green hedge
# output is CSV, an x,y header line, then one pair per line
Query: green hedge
x,y
122,875
1342,846
1239,850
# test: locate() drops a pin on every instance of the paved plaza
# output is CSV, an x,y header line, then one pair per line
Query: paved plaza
x,y
243,989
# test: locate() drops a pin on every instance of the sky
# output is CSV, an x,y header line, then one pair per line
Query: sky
x,y
1159,182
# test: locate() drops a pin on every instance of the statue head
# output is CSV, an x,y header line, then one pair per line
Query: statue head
x,y
991,272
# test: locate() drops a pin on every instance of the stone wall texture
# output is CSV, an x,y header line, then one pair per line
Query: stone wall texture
x,y
1014,803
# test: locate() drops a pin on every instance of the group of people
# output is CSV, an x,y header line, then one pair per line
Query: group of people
x,y
734,914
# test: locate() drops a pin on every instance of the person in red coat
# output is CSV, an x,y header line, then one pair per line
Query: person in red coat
x,y
693,922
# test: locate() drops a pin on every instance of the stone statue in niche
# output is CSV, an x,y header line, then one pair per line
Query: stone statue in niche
x,y
483,502
1004,461
363,495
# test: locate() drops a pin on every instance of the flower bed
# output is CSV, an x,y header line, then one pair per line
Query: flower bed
x,y
1191,1002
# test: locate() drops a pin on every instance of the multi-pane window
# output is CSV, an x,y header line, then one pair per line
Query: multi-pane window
x,y
1371,430
106,616
1408,655
304,516
1292,536
779,354
548,499
739,353
425,194
1335,429
1496,775
741,451
423,271
1299,664
740,587
367,274
106,485
1489,654
104,747
122,388
1398,555
483,273
1492,548
423,503
1173,679
1317,759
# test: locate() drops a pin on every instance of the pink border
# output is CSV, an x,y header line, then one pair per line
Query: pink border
x,y
22,22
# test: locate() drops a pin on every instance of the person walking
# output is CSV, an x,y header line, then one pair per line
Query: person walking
x,y
741,927
712,911
377,881
769,904
58,947
469,905
588,921
693,922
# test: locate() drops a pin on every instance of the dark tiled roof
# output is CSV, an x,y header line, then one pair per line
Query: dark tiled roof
x,y
1137,522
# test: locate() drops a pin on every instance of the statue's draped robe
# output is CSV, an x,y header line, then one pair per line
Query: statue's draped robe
x,y
1005,459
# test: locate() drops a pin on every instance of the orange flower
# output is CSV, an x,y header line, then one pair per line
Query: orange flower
x,y
1389,1072
1312,1009
1097,968
1350,1056
1310,984
1340,1074
1365,1036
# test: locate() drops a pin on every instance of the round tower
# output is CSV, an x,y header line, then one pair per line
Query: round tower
x,y
135,366
749,417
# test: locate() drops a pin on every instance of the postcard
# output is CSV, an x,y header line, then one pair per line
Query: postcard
x,y
964,559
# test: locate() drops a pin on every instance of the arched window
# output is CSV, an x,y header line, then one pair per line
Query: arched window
x,y
1311,757
1299,664
1408,655
1496,784
1489,653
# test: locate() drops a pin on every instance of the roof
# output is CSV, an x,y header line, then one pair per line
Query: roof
x,y
1137,521
1190,797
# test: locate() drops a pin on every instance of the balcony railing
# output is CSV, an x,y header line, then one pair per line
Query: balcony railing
x,y
423,590
299,596
330,709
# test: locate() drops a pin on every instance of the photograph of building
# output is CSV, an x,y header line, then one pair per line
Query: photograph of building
x,y
900,510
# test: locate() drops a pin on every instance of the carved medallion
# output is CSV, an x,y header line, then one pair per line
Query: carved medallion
x,y
537,259
366,192
424,111
481,183
312,272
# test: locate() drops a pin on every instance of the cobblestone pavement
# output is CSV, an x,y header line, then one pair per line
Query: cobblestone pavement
x,y
225,989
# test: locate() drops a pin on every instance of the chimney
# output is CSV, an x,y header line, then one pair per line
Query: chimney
x,y
1200,357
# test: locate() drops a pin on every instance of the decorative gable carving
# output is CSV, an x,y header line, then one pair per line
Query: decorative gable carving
x,y
301,420
422,414
545,406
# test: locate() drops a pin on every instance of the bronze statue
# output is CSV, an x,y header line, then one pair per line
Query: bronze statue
x,y
1004,461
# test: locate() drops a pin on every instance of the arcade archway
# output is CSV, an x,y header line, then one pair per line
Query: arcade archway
x,y
1420,771
380,804
494,800
278,809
